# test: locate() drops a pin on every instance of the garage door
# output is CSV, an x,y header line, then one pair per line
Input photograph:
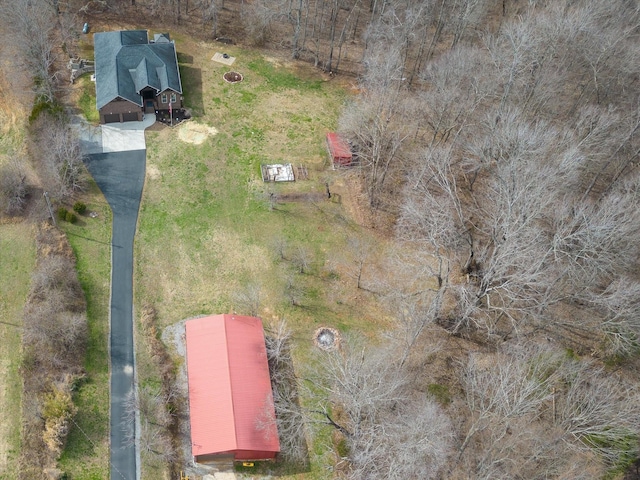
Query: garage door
x,y
112,118
130,117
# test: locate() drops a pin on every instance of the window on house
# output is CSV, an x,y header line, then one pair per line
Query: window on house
x,y
173,98
163,98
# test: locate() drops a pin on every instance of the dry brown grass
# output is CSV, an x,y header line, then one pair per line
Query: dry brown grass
x,y
17,257
13,112
205,231
192,132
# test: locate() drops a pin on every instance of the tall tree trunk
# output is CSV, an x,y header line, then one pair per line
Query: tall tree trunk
x,y
297,19
335,10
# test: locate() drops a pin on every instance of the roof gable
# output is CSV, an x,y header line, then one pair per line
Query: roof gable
x,y
126,63
161,38
229,385
140,75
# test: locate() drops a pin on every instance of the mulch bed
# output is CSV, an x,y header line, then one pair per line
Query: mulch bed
x,y
178,115
232,77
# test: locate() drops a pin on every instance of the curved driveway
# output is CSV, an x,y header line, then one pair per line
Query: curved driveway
x,y
116,160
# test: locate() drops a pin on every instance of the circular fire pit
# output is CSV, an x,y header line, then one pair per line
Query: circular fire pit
x,y
326,338
232,77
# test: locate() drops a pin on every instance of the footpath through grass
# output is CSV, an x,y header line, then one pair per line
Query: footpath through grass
x,y
17,257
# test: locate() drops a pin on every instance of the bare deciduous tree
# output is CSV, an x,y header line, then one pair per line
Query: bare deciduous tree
x,y
363,394
302,258
154,438
210,10
248,300
534,412
32,23
414,430
377,126
280,244
62,158
290,419
13,187
353,259
599,411
294,290
258,17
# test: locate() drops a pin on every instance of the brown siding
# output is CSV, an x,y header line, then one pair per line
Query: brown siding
x,y
131,117
214,458
256,455
165,106
110,118
119,107
235,456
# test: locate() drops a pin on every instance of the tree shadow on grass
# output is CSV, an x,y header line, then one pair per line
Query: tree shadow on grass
x,y
184,58
87,238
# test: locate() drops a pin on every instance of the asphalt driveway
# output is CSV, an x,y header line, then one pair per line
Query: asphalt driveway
x,y
120,176
116,160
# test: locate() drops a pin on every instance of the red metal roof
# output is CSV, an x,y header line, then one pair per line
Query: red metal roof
x,y
229,387
338,147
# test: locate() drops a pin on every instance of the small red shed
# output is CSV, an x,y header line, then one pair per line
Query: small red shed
x,y
339,150
229,390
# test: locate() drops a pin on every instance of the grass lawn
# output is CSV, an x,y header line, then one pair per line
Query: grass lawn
x,y
17,257
86,456
206,231
87,98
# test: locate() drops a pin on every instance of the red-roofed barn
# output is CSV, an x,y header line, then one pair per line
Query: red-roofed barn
x,y
229,389
339,150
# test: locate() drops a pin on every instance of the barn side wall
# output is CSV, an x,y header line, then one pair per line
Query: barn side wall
x,y
235,455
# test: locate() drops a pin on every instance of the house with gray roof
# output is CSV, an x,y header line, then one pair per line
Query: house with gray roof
x,y
135,75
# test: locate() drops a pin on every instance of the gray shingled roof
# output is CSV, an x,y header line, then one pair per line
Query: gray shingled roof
x,y
126,63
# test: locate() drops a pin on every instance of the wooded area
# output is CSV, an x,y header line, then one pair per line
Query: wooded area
x,y
504,144
497,144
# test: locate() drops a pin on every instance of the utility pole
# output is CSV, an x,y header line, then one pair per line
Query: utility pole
x,y
46,197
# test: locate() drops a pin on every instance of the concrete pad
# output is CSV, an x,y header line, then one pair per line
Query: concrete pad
x,y
278,173
113,137
218,57
90,136
220,476
122,137
118,140
224,476
148,120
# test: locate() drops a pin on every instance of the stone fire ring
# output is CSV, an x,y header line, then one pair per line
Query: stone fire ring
x,y
232,77
326,338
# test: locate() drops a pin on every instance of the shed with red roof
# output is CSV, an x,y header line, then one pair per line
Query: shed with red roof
x,y
230,397
339,150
